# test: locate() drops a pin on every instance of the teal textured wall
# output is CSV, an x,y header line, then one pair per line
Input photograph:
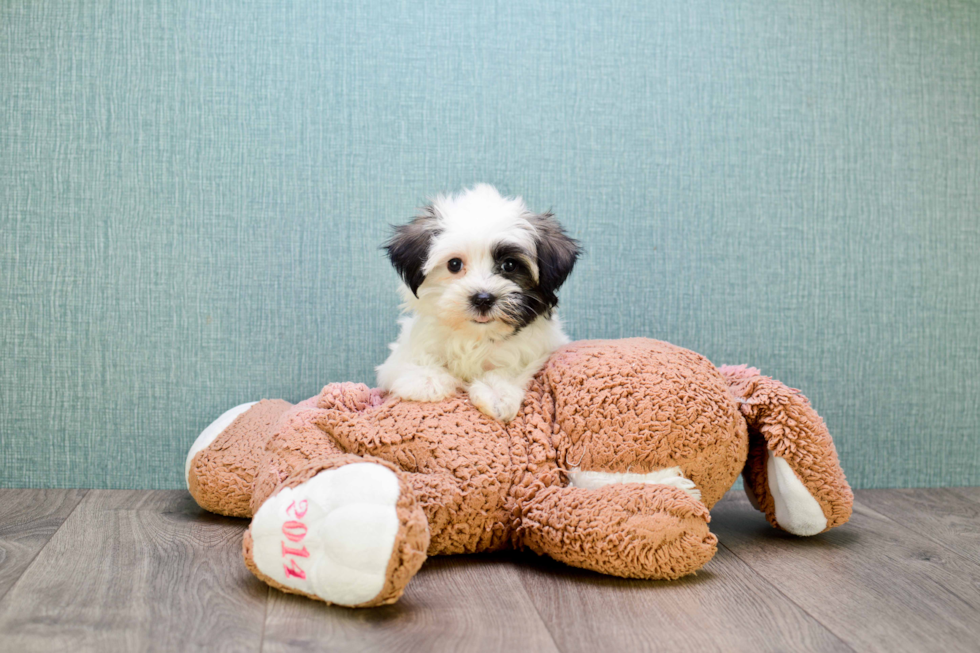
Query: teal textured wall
x,y
192,195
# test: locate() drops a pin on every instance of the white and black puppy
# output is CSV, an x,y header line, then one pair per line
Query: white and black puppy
x,y
480,274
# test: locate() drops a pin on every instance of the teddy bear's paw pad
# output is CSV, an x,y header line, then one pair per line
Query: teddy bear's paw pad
x,y
672,476
797,511
209,434
332,536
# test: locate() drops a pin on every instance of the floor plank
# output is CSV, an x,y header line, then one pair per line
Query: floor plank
x,y
459,603
944,516
137,570
876,584
28,519
725,607
971,493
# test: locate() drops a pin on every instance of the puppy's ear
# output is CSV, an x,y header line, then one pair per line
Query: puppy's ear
x,y
557,253
409,247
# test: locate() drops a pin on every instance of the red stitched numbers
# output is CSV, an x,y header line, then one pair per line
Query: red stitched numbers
x,y
294,531
299,511
292,569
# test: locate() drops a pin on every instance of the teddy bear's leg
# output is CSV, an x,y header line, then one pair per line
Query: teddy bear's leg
x,y
631,530
464,515
221,463
344,529
792,473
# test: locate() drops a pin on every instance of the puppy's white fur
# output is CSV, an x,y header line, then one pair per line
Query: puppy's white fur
x,y
446,343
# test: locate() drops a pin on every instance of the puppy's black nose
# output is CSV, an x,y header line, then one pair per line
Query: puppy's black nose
x,y
482,301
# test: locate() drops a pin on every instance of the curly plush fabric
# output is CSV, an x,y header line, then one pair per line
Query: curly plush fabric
x,y
782,423
635,409
223,474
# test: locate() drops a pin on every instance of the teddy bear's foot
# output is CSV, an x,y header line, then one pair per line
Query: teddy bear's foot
x,y
348,536
209,434
222,462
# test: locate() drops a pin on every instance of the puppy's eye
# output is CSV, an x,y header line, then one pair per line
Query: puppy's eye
x,y
455,265
509,265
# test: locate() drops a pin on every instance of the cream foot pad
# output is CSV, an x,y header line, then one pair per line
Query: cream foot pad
x,y
797,510
332,536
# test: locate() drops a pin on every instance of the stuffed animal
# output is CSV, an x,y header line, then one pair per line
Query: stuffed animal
x,y
618,452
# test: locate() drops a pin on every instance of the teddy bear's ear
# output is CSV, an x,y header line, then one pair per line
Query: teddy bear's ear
x,y
409,247
557,253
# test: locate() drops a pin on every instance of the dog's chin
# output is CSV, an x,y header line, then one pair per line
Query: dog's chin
x,y
480,327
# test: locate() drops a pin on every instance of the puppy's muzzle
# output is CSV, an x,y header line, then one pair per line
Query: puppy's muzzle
x,y
482,302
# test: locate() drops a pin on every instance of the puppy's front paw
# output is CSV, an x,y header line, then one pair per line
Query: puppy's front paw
x,y
425,384
499,400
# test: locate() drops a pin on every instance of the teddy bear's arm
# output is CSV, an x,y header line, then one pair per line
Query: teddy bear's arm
x,y
632,530
792,473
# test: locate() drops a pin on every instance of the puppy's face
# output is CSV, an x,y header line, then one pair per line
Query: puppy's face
x,y
481,262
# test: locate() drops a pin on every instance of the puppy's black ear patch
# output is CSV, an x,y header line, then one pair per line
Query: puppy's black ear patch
x,y
409,247
557,253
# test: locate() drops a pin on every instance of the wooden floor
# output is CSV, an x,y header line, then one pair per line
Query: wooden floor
x,y
136,570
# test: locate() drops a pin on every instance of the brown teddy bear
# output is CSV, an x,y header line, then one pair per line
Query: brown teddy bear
x,y
618,451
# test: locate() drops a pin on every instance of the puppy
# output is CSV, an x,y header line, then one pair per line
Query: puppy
x,y
480,274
